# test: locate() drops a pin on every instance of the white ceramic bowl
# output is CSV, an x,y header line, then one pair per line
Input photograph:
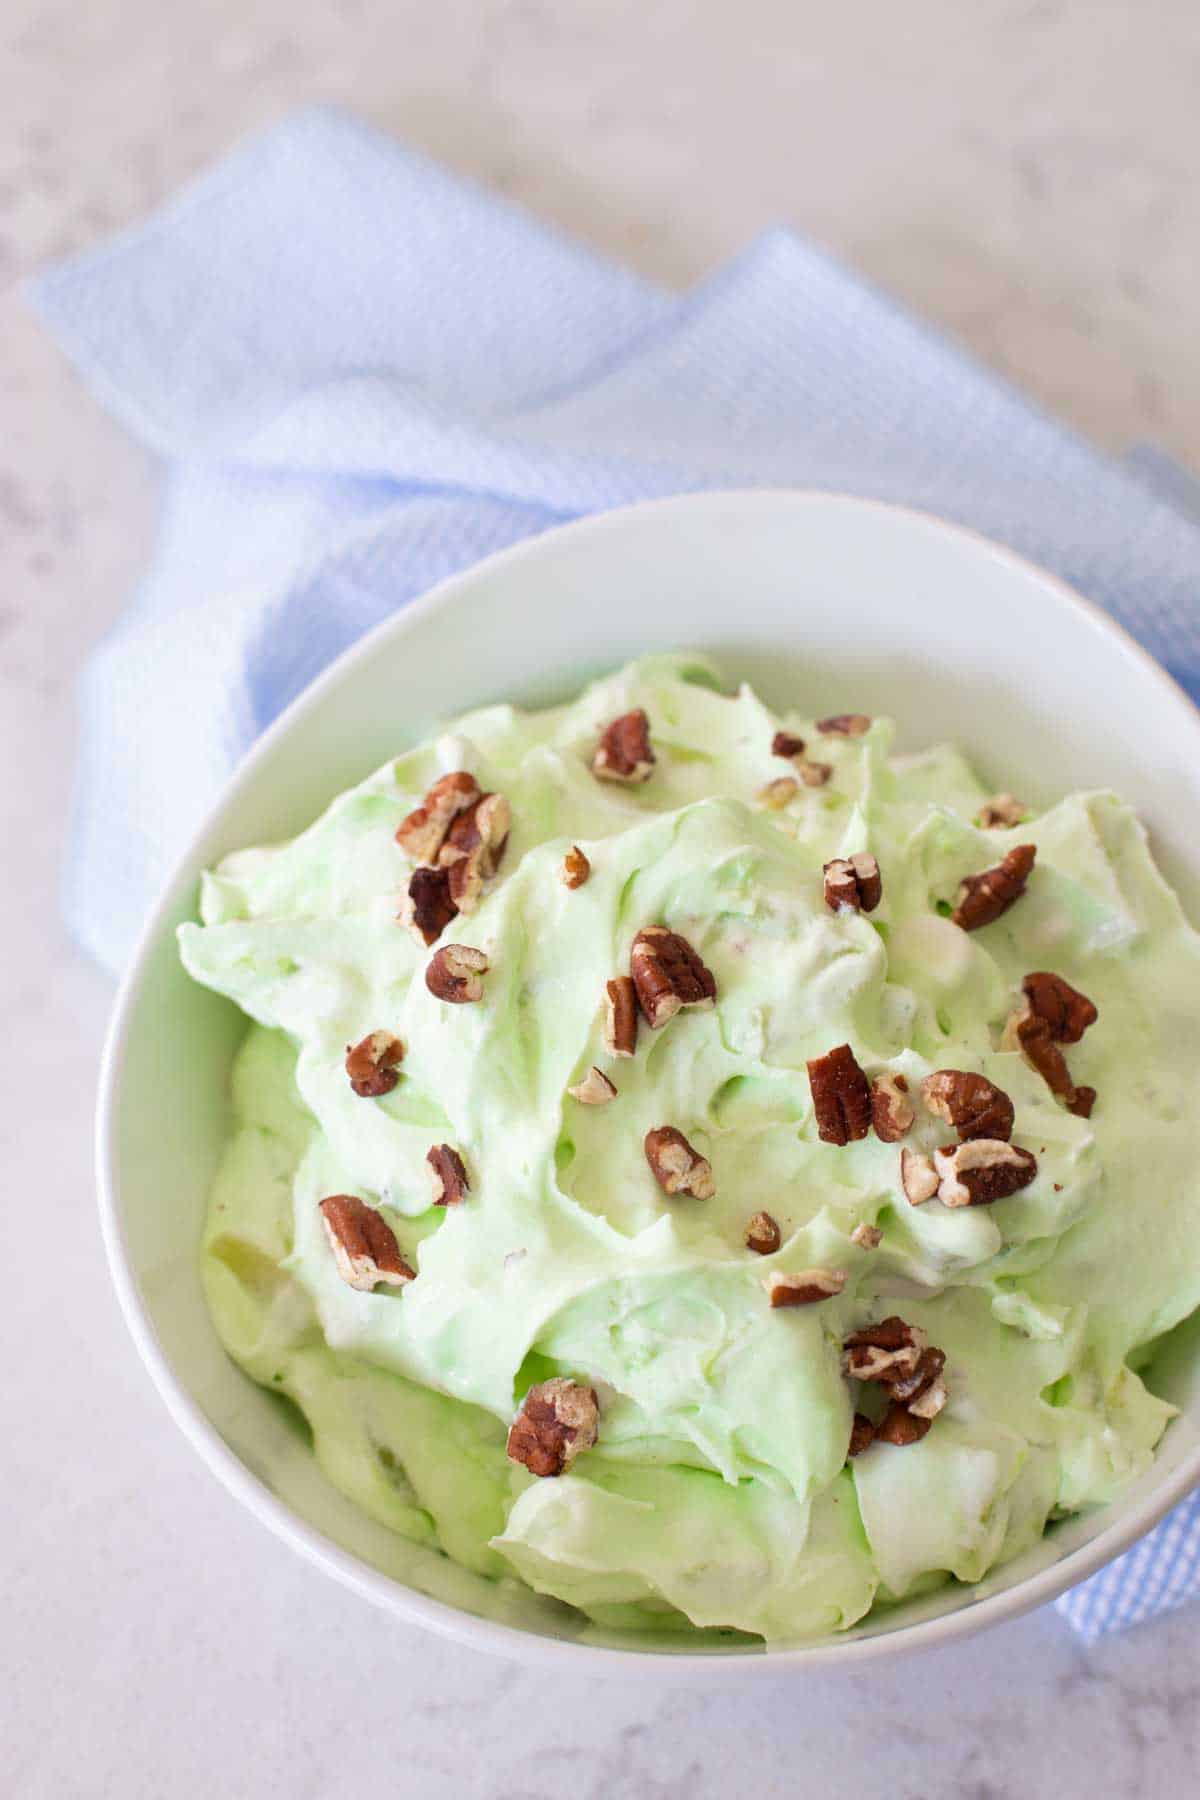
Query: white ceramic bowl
x,y
825,602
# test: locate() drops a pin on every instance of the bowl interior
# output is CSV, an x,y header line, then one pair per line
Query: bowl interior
x,y
830,604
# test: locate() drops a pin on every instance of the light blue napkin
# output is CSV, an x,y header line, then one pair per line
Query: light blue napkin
x,y
363,374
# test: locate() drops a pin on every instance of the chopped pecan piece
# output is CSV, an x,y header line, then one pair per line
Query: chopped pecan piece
x,y
892,1112
841,1096
983,898
786,743
841,885
928,1370
668,975
447,1175
624,752
429,905
594,1090
928,1405
887,1352
474,848
1052,1013
364,1245
899,1426
558,1420
371,1064
931,1396
480,830
1001,810
918,1177
806,1288
844,725
853,882
813,774
465,882
867,1237
423,832
575,868
897,1357
972,1104
982,1170
455,974
778,793
862,1433
620,1016
1035,1040
1065,1012
763,1234
676,1166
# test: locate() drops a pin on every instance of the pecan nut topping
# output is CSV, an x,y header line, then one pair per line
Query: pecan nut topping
x,y
899,1426
867,1237
1065,1012
983,898
620,1016
805,1288
841,1096
981,1171
886,1353
447,1175
844,725
862,1433
480,830
778,793
575,868
558,1420
763,1235
918,1177
1001,810
624,752
972,1104
853,882
677,1167
455,974
594,1090
668,975
897,1357
429,905
364,1245
787,744
932,1395
474,848
465,882
1053,1013
927,1372
372,1063
1037,1044
423,832
892,1112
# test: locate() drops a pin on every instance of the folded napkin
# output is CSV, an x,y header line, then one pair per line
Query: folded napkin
x,y
364,374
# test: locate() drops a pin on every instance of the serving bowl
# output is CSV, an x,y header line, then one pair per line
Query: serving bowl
x,y
823,602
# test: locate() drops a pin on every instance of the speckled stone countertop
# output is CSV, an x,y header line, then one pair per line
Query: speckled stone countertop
x,y
1025,174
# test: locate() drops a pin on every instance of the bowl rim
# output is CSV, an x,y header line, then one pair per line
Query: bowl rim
x,y
373,1585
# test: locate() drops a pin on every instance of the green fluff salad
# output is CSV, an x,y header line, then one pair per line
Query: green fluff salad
x,y
700,1164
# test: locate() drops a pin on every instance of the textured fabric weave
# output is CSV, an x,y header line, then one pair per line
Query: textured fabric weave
x,y
363,375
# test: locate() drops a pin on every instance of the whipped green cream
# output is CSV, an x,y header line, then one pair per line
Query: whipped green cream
x,y
719,1493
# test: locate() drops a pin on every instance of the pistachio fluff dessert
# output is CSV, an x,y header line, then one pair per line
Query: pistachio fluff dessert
x,y
701,1165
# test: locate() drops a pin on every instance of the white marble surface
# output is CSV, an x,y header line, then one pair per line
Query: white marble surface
x,y
1025,173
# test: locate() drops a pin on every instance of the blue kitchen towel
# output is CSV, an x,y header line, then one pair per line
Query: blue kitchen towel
x,y
363,374
1157,1575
